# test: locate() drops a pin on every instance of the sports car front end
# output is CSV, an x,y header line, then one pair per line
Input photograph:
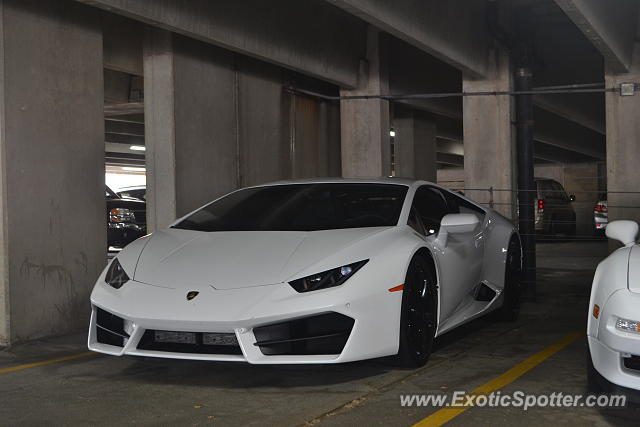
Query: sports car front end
x,y
189,318
613,330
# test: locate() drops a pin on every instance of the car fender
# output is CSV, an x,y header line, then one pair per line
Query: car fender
x,y
611,275
498,232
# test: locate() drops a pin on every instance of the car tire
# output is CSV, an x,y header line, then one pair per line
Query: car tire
x,y
419,316
511,301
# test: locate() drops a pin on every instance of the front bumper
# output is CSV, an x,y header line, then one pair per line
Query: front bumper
x,y
615,353
374,330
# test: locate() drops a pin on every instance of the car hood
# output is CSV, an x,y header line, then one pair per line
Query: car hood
x,y
634,269
188,259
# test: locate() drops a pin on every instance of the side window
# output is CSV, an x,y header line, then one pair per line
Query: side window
x,y
467,207
431,207
545,189
415,223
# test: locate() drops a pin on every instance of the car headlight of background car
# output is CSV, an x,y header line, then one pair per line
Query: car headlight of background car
x,y
327,279
121,215
116,276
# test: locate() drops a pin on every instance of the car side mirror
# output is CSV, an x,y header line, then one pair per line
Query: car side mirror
x,y
623,231
455,224
572,198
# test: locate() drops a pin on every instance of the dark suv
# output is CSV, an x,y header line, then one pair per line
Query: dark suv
x,y
126,219
554,212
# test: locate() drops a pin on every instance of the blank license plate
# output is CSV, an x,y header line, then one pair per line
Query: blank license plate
x,y
210,338
175,337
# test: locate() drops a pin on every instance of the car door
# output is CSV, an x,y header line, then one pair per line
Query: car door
x,y
460,262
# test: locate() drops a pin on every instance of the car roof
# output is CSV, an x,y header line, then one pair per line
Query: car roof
x,y
135,187
332,180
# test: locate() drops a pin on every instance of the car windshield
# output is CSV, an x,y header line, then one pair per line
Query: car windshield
x,y
301,207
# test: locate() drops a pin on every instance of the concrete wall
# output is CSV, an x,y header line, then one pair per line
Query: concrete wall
x,y
204,114
216,121
414,145
263,123
451,178
52,172
314,150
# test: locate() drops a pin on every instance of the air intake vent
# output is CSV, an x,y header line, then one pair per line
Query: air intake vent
x,y
632,363
110,328
322,334
484,293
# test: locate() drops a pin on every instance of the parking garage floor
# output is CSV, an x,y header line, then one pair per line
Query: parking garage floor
x,y
57,382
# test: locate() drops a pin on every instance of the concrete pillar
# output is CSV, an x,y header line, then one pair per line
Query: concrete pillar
x,y
623,150
488,138
52,203
263,123
414,145
190,125
365,124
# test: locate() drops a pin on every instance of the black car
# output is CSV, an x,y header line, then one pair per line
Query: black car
x,y
126,219
554,213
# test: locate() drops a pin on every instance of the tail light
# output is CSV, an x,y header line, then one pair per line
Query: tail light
x,y
600,208
540,205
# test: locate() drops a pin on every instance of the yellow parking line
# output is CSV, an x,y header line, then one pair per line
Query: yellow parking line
x,y
444,415
45,362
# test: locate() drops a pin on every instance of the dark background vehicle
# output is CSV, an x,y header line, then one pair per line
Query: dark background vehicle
x,y
554,213
126,219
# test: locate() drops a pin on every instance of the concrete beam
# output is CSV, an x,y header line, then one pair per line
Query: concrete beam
x,y
450,159
450,147
453,31
117,138
567,135
611,28
122,44
311,36
578,108
124,128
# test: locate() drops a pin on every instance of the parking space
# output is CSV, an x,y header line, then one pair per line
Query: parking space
x,y
102,390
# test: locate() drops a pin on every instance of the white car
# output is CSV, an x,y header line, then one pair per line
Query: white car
x,y
613,329
316,271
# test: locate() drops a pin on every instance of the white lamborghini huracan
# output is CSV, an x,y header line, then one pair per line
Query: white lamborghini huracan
x,y
315,271
613,329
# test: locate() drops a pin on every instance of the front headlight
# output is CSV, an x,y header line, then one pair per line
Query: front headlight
x,y
628,325
116,276
121,215
327,279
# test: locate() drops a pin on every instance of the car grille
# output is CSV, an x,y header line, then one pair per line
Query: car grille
x,y
316,335
190,342
110,328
